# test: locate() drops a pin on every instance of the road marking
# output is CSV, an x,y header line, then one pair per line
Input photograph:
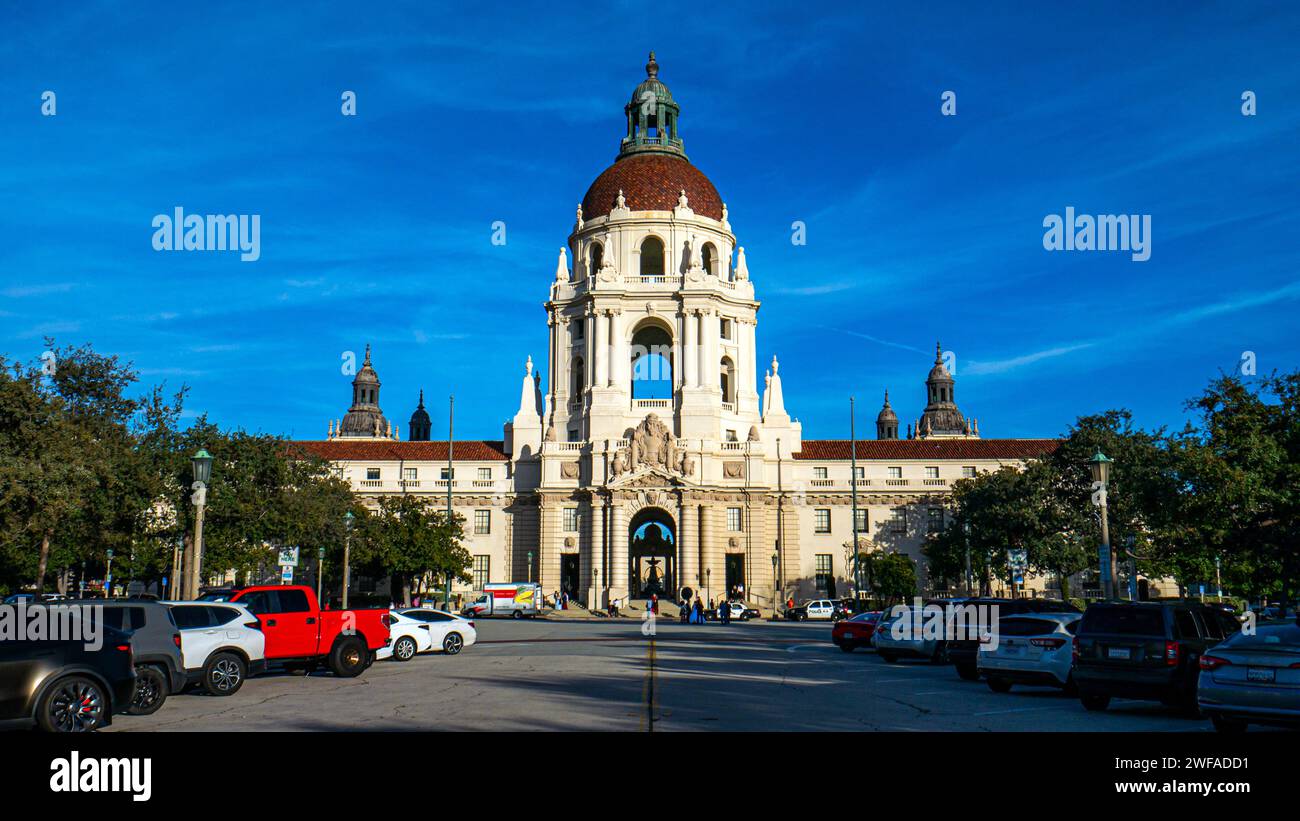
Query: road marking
x,y
1017,710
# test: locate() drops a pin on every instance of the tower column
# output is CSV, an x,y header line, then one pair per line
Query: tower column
x,y
601,355
596,542
620,375
618,552
687,549
691,353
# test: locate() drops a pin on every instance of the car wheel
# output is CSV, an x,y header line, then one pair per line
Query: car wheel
x,y
847,647
940,654
999,685
75,704
1071,688
349,657
889,657
968,672
405,649
1224,724
516,615
224,674
453,643
150,692
1094,703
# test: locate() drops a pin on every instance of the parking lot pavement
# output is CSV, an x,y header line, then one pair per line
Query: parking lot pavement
x,y
540,675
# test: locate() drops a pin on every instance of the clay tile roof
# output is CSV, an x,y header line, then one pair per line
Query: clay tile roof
x,y
652,182
832,449
380,450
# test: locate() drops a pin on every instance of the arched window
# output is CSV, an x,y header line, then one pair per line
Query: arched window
x,y
652,257
709,257
727,379
595,257
579,378
652,362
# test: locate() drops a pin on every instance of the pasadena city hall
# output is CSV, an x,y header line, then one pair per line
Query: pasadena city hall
x,y
604,491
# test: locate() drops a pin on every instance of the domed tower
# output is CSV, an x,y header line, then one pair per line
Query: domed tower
x,y
364,419
887,421
420,426
657,314
941,419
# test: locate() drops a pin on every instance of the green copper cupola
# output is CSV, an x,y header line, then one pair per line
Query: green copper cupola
x,y
652,117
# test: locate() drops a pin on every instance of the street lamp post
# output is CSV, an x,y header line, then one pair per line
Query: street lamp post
x,y
348,519
775,561
108,576
780,521
201,463
530,566
970,582
853,492
320,570
1100,464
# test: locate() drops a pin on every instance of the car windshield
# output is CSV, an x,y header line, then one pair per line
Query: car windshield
x,y
866,617
1128,621
1280,639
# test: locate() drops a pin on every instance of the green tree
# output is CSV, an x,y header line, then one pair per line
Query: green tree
x,y
411,540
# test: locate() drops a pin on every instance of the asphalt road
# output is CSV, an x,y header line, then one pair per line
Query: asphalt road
x,y
566,675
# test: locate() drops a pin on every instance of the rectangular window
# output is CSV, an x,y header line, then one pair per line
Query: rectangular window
x,y
861,521
734,521
968,472
819,473
725,326
485,473
932,473
731,436
898,520
482,568
935,520
448,474
482,522
578,329
895,473
570,520
859,472
372,474
410,474
823,520
825,572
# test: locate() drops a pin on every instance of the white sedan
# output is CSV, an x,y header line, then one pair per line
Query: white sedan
x,y
421,630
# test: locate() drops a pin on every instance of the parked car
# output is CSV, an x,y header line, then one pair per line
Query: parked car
x,y
300,635
739,612
155,645
855,631
822,609
963,651
1145,650
1253,679
65,687
221,644
421,630
911,642
1036,649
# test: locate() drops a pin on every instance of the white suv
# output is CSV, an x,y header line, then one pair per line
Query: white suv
x,y
221,644
819,609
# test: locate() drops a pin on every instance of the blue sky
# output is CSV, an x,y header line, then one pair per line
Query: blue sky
x,y
376,228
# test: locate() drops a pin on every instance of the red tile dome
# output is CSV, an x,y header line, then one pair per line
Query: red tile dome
x,y
652,182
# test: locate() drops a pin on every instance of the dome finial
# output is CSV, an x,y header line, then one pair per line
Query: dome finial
x,y
938,353
652,67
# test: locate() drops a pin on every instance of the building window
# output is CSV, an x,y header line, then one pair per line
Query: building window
x,y
861,521
823,520
570,520
485,473
731,436
859,472
448,473
725,327
898,520
482,522
652,257
733,520
819,473
578,329
482,571
895,473
932,473
935,523
410,474
968,472
825,572
372,474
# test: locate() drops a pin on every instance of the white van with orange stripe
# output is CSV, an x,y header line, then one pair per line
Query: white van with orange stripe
x,y
515,599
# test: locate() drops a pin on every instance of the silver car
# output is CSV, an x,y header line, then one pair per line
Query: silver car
x,y
1252,679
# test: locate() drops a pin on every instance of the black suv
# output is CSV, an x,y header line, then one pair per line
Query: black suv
x,y
963,652
66,685
1145,650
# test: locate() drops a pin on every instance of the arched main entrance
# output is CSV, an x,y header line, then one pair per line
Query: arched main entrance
x,y
652,554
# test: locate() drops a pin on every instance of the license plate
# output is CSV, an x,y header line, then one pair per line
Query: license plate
x,y
1118,653
1013,651
1264,674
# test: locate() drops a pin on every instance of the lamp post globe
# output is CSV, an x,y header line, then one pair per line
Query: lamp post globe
x,y
1100,464
202,465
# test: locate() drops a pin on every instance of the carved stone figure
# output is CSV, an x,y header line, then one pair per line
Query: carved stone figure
x,y
685,464
618,465
733,470
753,433
569,470
653,445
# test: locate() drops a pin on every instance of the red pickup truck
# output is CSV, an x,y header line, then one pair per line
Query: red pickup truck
x,y
300,634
